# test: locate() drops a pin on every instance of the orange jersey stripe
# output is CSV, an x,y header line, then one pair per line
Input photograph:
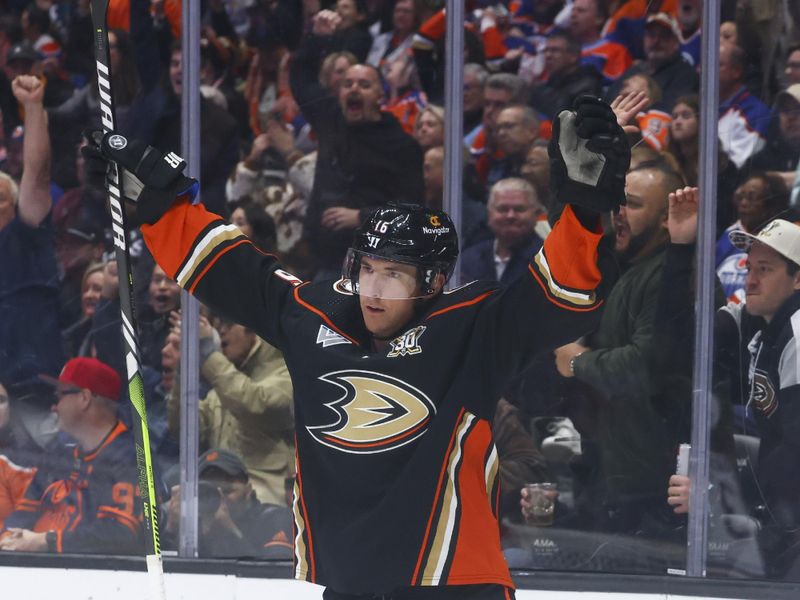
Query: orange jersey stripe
x,y
556,302
382,442
423,548
475,300
571,252
183,220
478,543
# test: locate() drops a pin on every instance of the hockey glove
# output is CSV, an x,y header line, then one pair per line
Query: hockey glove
x,y
148,178
589,156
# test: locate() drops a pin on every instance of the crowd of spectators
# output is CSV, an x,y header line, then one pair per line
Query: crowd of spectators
x,y
314,113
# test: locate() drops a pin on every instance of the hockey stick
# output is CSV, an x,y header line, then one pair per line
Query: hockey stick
x,y
144,461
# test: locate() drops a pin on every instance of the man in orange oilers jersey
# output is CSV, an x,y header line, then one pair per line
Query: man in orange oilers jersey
x,y
395,380
83,500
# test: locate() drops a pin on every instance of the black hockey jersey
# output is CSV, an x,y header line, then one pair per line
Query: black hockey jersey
x,y
397,473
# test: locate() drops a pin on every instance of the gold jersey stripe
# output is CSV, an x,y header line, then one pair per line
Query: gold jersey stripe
x,y
441,546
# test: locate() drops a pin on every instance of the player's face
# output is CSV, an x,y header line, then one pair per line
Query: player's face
x,y
377,278
360,95
768,283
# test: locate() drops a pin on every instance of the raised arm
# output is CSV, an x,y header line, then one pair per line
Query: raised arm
x,y
34,190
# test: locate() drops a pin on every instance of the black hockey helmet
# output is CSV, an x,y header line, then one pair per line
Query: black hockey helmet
x,y
408,234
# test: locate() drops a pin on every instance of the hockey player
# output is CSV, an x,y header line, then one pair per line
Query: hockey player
x,y
395,381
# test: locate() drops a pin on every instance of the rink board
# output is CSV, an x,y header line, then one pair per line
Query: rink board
x,y
35,583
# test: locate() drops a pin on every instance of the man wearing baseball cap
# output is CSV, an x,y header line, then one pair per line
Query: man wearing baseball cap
x,y
782,152
663,61
83,501
772,378
234,523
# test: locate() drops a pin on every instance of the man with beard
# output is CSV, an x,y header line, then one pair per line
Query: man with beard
x,y
663,61
636,425
363,153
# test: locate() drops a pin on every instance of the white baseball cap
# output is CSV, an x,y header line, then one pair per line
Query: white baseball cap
x,y
780,235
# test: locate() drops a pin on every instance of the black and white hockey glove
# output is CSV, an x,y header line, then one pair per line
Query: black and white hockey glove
x,y
589,156
148,178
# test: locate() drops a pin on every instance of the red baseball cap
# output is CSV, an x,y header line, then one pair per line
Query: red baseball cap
x,y
89,373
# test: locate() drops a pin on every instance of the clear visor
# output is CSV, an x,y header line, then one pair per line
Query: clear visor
x,y
377,277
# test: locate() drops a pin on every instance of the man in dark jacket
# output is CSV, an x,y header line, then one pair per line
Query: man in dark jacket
x,y
663,62
568,78
234,523
632,437
513,211
363,153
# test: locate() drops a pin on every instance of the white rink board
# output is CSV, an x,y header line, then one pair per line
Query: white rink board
x,y
82,584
